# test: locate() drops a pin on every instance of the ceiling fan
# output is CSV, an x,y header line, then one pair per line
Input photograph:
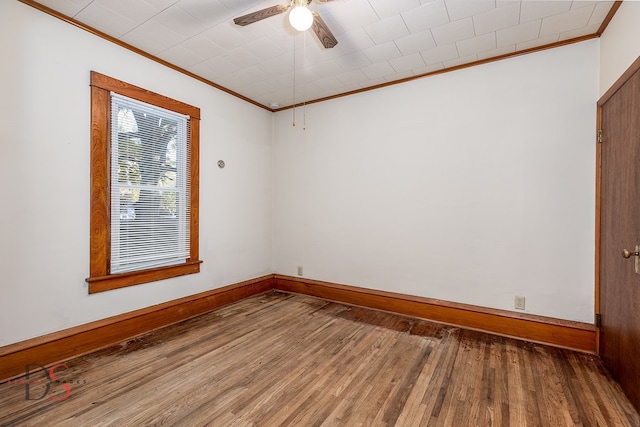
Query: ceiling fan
x,y
301,19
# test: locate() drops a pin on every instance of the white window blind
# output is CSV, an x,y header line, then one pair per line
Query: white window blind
x,y
150,189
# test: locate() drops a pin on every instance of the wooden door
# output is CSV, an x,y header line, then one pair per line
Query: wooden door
x,y
620,230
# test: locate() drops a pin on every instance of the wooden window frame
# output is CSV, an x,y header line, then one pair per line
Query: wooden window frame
x,y
100,222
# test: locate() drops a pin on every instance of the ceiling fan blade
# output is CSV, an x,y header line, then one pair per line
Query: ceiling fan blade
x,y
323,32
259,15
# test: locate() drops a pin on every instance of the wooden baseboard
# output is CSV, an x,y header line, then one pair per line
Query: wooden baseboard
x,y
545,330
83,339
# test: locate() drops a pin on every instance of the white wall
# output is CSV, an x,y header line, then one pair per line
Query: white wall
x,y
472,186
44,219
620,44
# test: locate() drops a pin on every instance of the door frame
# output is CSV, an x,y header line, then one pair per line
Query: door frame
x,y
633,68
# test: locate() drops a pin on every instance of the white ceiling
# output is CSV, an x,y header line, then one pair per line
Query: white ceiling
x,y
379,41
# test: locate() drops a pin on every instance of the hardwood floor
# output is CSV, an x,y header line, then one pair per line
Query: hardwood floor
x,y
283,359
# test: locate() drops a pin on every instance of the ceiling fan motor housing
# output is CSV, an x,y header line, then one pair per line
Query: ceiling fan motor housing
x,y
313,19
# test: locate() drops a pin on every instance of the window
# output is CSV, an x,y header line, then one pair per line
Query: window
x,y
144,186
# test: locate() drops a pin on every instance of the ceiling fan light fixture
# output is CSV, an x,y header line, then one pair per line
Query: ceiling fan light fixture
x,y
300,18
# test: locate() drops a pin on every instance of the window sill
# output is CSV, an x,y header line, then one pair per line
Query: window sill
x,y
115,281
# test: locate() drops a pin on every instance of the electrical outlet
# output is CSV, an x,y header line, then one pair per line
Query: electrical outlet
x,y
519,303
299,270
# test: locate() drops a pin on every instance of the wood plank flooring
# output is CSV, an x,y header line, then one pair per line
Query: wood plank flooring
x,y
281,359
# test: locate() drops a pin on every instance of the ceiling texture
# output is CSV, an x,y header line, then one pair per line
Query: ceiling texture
x,y
379,41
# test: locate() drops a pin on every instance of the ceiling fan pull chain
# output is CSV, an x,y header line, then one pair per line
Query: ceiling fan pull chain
x,y
304,98
294,80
